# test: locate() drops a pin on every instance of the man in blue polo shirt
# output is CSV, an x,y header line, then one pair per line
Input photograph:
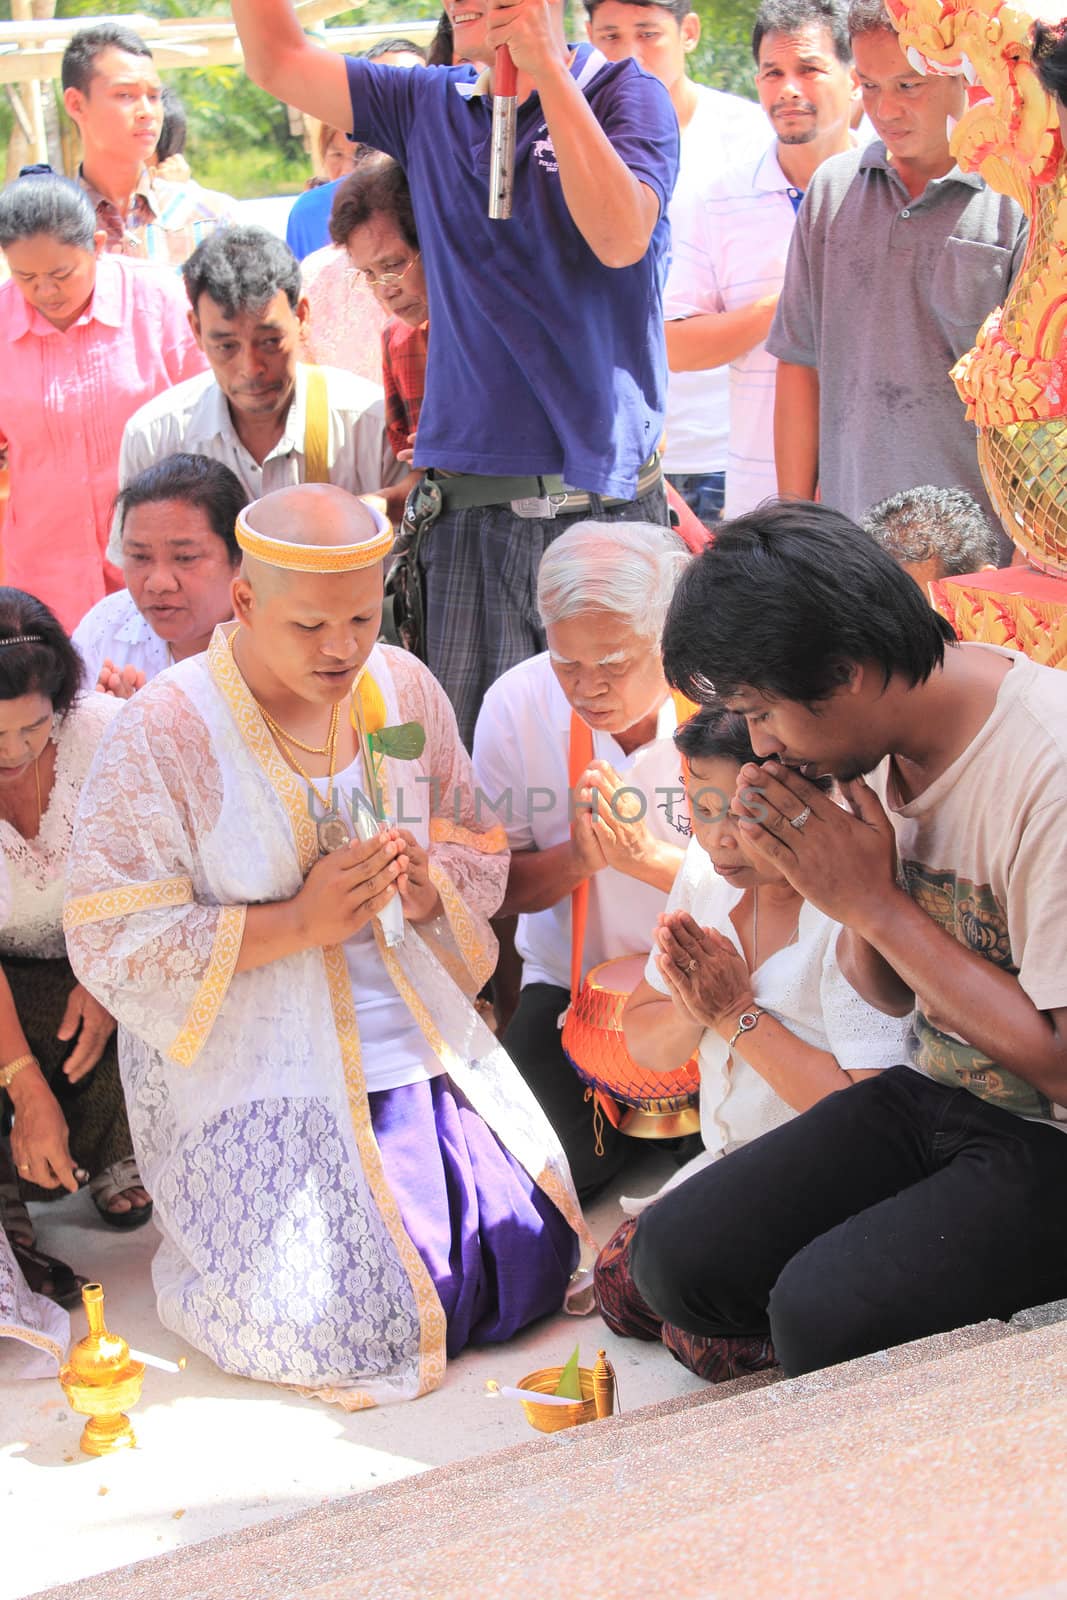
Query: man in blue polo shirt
x,y
546,375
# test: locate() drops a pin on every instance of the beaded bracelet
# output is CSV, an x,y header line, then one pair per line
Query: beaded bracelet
x,y
13,1068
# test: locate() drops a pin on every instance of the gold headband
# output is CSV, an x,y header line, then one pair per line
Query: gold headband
x,y
316,557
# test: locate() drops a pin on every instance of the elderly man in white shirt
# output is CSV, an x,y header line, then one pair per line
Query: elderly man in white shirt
x,y
179,556
729,266
596,703
272,420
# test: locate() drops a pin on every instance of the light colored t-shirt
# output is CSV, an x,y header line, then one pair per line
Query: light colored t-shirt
x,y
114,630
723,130
735,253
983,851
802,986
521,745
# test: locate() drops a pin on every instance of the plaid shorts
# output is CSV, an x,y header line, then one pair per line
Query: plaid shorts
x,y
480,571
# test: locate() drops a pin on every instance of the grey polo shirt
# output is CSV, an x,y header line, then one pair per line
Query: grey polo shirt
x,y
883,294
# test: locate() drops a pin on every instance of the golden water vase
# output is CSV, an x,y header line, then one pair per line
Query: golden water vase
x,y
101,1380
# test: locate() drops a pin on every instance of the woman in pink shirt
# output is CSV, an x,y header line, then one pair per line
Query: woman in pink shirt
x,y
87,339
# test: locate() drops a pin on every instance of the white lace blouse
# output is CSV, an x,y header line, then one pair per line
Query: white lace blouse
x,y
33,871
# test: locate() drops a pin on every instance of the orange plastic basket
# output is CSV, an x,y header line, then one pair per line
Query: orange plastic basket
x,y
593,1043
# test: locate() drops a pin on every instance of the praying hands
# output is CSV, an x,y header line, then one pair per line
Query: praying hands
x,y
706,977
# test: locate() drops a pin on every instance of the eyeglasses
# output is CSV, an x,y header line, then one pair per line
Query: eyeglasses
x,y
372,280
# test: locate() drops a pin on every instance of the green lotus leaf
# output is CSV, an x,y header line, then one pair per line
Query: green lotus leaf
x,y
405,742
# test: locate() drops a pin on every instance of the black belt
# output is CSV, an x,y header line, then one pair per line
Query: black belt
x,y
462,491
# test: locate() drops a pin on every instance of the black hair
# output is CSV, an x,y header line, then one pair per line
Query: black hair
x,y
175,126
46,203
49,665
785,600
1050,58
442,45
242,267
869,16
715,733
679,9
79,58
929,523
378,184
789,16
387,47
196,480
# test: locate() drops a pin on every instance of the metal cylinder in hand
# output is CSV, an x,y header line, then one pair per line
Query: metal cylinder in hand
x,y
502,161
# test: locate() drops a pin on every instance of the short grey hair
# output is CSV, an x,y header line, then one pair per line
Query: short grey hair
x,y
631,568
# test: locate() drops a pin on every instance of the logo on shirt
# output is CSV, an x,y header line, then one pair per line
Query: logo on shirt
x,y
545,152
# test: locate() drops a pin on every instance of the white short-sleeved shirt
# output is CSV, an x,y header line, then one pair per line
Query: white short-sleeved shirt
x,y
521,745
195,416
800,985
734,253
114,630
724,130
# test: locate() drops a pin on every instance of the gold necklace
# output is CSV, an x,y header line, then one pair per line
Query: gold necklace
x,y
329,749
37,785
312,749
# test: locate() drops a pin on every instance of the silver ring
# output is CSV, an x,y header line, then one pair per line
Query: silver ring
x,y
798,822
692,964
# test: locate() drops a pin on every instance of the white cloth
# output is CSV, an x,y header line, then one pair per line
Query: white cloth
x,y
800,985
194,416
32,871
35,1331
114,630
734,253
521,745
723,130
190,816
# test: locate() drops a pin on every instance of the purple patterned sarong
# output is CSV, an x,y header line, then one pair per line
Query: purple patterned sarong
x,y
499,1252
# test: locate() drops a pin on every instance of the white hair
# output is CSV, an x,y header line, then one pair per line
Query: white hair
x,y
630,568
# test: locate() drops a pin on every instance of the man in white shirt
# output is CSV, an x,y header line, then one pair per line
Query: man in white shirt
x,y
728,268
717,130
273,421
602,593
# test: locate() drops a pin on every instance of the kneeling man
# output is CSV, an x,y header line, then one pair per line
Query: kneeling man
x,y
351,1178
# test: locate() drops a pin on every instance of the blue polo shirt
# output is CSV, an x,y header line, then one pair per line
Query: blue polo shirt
x,y
541,359
308,228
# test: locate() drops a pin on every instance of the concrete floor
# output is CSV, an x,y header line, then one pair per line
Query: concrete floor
x,y
217,1453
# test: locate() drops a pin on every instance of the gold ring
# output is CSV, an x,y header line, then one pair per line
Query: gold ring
x,y
24,1167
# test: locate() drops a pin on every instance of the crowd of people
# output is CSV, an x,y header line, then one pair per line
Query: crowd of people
x,y
410,621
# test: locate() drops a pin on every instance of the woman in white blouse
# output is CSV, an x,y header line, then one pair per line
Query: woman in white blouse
x,y
743,973
58,1058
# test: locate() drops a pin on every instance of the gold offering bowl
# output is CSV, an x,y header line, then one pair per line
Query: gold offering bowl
x,y
552,1419
100,1380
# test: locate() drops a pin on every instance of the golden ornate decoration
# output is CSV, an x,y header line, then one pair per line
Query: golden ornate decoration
x,y
317,557
101,1380
1014,381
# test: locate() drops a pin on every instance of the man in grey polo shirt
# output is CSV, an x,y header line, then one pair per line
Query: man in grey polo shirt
x,y
897,259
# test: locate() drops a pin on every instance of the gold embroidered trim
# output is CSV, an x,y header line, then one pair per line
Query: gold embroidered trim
x,y
432,1325
127,902
317,557
476,958
492,843
213,987
40,1341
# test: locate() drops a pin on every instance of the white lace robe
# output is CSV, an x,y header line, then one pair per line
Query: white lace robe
x,y
284,1256
33,871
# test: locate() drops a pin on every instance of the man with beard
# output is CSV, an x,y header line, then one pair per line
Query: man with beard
x,y
934,1195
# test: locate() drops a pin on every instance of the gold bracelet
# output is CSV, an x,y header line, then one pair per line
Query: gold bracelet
x,y
13,1068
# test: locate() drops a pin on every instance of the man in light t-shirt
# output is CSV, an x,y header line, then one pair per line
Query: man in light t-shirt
x,y
717,130
729,266
602,593
934,1196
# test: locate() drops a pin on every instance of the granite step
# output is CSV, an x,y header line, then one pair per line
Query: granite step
x,y
752,1432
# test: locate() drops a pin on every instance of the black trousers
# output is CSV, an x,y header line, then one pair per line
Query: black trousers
x,y
892,1210
532,1040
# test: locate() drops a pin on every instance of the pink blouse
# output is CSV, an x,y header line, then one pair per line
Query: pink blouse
x,y
64,401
